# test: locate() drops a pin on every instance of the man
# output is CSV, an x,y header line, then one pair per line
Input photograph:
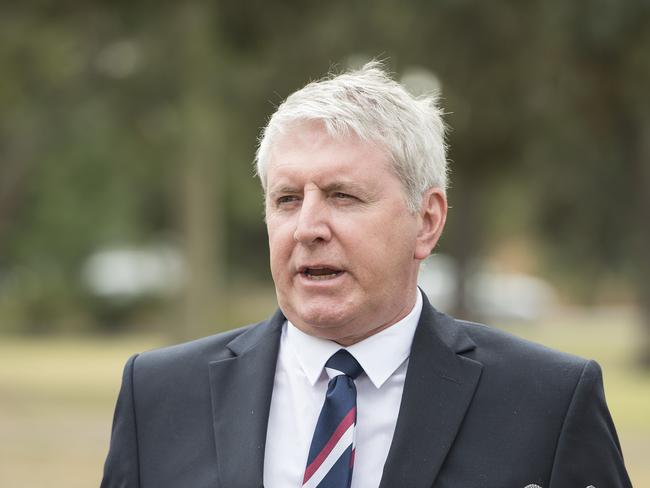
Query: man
x,y
356,380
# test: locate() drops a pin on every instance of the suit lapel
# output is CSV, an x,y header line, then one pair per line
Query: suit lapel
x,y
438,390
241,388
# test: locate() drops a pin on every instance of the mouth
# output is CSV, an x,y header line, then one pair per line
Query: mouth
x,y
320,273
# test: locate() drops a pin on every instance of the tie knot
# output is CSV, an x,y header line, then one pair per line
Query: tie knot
x,y
344,362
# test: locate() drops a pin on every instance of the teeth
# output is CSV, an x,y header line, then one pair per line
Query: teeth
x,y
320,273
322,277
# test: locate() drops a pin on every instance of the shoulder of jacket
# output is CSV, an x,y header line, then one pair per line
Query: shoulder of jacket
x,y
205,349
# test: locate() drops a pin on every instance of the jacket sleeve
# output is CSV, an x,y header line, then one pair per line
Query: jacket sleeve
x,y
588,452
121,469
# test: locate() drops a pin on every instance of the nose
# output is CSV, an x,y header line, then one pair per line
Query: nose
x,y
312,225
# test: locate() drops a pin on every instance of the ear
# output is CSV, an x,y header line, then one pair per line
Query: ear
x,y
431,219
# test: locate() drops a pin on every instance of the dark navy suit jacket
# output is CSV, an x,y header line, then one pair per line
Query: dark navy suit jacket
x,y
480,409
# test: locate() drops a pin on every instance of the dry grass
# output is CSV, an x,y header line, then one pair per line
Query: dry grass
x,y
57,397
56,404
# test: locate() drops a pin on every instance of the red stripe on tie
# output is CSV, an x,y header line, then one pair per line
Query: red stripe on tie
x,y
347,421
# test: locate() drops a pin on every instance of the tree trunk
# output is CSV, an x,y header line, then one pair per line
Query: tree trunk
x,y
201,174
643,255
466,243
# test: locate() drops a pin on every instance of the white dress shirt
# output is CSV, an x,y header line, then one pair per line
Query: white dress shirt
x,y
299,391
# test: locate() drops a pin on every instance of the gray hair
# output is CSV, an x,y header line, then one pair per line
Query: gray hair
x,y
369,104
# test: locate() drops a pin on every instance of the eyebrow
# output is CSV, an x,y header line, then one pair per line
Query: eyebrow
x,y
345,186
335,186
283,191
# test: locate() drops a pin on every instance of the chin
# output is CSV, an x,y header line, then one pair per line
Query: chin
x,y
322,319
319,320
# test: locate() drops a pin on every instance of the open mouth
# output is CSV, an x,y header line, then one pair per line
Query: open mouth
x,y
320,273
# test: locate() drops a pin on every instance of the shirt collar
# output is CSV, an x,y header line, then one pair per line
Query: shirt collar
x,y
379,355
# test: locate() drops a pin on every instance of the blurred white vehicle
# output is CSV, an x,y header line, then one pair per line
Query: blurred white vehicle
x,y
130,272
489,294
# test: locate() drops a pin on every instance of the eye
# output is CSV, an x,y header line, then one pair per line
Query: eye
x,y
284,199
343,196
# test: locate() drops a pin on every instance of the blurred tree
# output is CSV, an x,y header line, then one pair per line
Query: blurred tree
x,y
592,160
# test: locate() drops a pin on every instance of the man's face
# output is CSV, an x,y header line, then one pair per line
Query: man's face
x,y
344,247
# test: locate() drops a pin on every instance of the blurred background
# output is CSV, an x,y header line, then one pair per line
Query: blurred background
x,y
130,217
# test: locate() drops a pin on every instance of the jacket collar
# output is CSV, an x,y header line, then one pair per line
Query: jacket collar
x,y
241,388
439,387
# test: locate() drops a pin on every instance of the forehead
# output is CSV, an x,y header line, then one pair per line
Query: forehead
x,y
307,150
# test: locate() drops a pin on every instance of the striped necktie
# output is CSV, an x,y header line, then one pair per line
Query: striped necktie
x,y
331,455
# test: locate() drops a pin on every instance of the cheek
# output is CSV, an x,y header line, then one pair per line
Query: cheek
x,y
369,252
393,245
280,246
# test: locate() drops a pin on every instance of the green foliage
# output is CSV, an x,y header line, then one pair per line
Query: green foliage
x,y
547,101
